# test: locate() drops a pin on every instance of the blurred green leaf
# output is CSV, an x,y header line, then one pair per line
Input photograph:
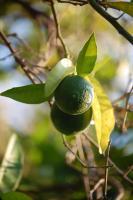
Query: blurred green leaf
x,y
126,7
15,196
103,115
87,57
99,65
56,75
105,70
30,94
12,165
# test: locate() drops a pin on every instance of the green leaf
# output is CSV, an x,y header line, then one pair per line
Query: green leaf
x,y
87,57
126,7
30,94
107,71
15,196
103,115
57,74
12,165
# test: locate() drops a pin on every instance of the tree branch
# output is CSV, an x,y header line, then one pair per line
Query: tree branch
x,y
111,20
110,161
95,5
17,58
125,115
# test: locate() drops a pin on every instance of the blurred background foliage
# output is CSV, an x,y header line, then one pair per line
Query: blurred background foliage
x,y
46,172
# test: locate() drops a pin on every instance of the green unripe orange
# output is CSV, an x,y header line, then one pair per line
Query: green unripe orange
x,y
74,95
70,124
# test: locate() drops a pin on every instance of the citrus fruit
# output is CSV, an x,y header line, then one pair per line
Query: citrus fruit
x,y
70,124
74,95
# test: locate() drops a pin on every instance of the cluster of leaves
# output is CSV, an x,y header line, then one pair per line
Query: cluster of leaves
x,y
85,67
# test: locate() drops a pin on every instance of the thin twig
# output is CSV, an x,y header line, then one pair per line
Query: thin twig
x,y
78,158
25,44
129,170
58,32
110,161
106,171
119,108
69,148
17,58
30,71
121,15
118,187
97,185
121,98
126,107
88,151
7,56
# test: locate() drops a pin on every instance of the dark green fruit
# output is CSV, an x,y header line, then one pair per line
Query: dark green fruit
x,y
74,95
70,124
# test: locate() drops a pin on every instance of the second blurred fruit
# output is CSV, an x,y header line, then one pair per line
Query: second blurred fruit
x,y
70,124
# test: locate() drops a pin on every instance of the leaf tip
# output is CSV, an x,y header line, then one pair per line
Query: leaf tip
x,y
93,36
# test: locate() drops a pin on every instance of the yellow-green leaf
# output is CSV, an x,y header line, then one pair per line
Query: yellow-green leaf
x,y
126,7
97,118
103,115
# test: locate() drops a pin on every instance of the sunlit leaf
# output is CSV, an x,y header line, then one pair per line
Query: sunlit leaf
x,y
30,94
57,74
87,57
97,118
103,115
126,7
15,196
12,165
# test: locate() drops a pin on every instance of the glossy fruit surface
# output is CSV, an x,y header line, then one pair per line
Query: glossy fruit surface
x,y
74,95
70,124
